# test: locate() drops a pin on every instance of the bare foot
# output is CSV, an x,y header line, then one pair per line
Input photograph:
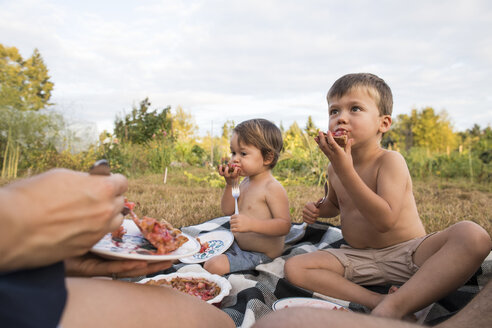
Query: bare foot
x,y
393,289
387,310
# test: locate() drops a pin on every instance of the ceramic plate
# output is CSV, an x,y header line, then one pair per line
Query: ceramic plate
x,y
218,242
305,301
224,284
135,247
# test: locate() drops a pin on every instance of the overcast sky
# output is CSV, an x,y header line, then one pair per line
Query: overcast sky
x,y
236,60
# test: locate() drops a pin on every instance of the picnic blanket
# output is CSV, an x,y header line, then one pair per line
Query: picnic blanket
x,y
254,291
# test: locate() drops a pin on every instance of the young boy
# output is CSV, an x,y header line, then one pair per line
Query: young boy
x,y
371,189
263,220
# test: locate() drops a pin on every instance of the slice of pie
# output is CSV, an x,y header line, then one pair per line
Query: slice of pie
x,y
160,234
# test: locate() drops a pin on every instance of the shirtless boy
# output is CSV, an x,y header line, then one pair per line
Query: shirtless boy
x,y
371,189
263,220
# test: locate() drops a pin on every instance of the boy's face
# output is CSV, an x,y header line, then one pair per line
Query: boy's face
x,y
357,114
247,157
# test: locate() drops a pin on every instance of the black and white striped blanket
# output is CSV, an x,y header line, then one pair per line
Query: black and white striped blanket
x,y
253,292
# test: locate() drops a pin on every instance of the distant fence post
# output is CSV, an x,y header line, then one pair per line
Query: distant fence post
x,y
165,175
471,166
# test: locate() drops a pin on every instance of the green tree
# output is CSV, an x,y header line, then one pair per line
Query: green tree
x,y
227,128
24,84
143,124
311,128
183,125
424,129
26,137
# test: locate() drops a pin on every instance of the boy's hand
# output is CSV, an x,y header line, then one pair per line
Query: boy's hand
x,y
340,158
310,213
241,223
229,172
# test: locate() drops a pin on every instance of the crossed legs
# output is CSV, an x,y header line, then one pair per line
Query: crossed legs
x,y
446,259
477,313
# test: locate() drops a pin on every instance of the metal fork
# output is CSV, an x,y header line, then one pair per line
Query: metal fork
x,y
322,200
235,194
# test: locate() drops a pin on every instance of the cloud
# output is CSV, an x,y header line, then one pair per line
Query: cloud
x,y
231,60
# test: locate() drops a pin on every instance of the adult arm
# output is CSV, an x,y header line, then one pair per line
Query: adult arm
x,y
103,303
56,215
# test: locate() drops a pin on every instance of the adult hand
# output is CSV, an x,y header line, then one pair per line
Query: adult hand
x,y
310,213
340,158
241,223
90,265
56,215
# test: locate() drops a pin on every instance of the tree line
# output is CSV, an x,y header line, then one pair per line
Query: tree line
x,y
34,138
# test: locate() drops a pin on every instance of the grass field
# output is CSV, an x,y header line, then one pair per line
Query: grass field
x,y
181,202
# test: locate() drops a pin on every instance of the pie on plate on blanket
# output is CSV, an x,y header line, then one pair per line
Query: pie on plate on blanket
x,y
211,288
212,244
307,302
133,245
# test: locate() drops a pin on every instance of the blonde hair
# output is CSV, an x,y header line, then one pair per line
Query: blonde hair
x,y
263,135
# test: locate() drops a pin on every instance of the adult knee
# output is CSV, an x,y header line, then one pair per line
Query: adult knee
x,y
473,237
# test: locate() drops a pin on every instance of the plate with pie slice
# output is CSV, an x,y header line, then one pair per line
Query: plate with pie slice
x,y
133,246
212,244
288,302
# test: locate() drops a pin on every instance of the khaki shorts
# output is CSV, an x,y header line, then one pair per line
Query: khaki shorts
x,y
369,266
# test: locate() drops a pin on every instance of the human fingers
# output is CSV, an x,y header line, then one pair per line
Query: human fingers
x,y
331,143
236,172
119,182
140,269
308,218
233,222
115,222
310,212
221,169
323,143
348,146
90,265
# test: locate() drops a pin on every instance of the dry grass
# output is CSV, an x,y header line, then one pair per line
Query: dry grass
x,y
440,203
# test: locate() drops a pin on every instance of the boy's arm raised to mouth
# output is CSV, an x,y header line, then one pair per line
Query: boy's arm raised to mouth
x,y
381,207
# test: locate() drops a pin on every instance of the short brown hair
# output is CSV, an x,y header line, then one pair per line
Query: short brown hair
x,y
263,135
376,86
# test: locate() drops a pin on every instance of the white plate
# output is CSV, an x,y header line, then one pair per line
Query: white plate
x,y
305,301
224,284
135,247
218,241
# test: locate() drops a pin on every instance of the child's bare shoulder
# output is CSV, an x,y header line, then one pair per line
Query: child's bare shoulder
x,y
273,185
391,157
392,164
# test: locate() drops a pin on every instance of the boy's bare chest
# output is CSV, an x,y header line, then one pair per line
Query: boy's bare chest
x,y
368,175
